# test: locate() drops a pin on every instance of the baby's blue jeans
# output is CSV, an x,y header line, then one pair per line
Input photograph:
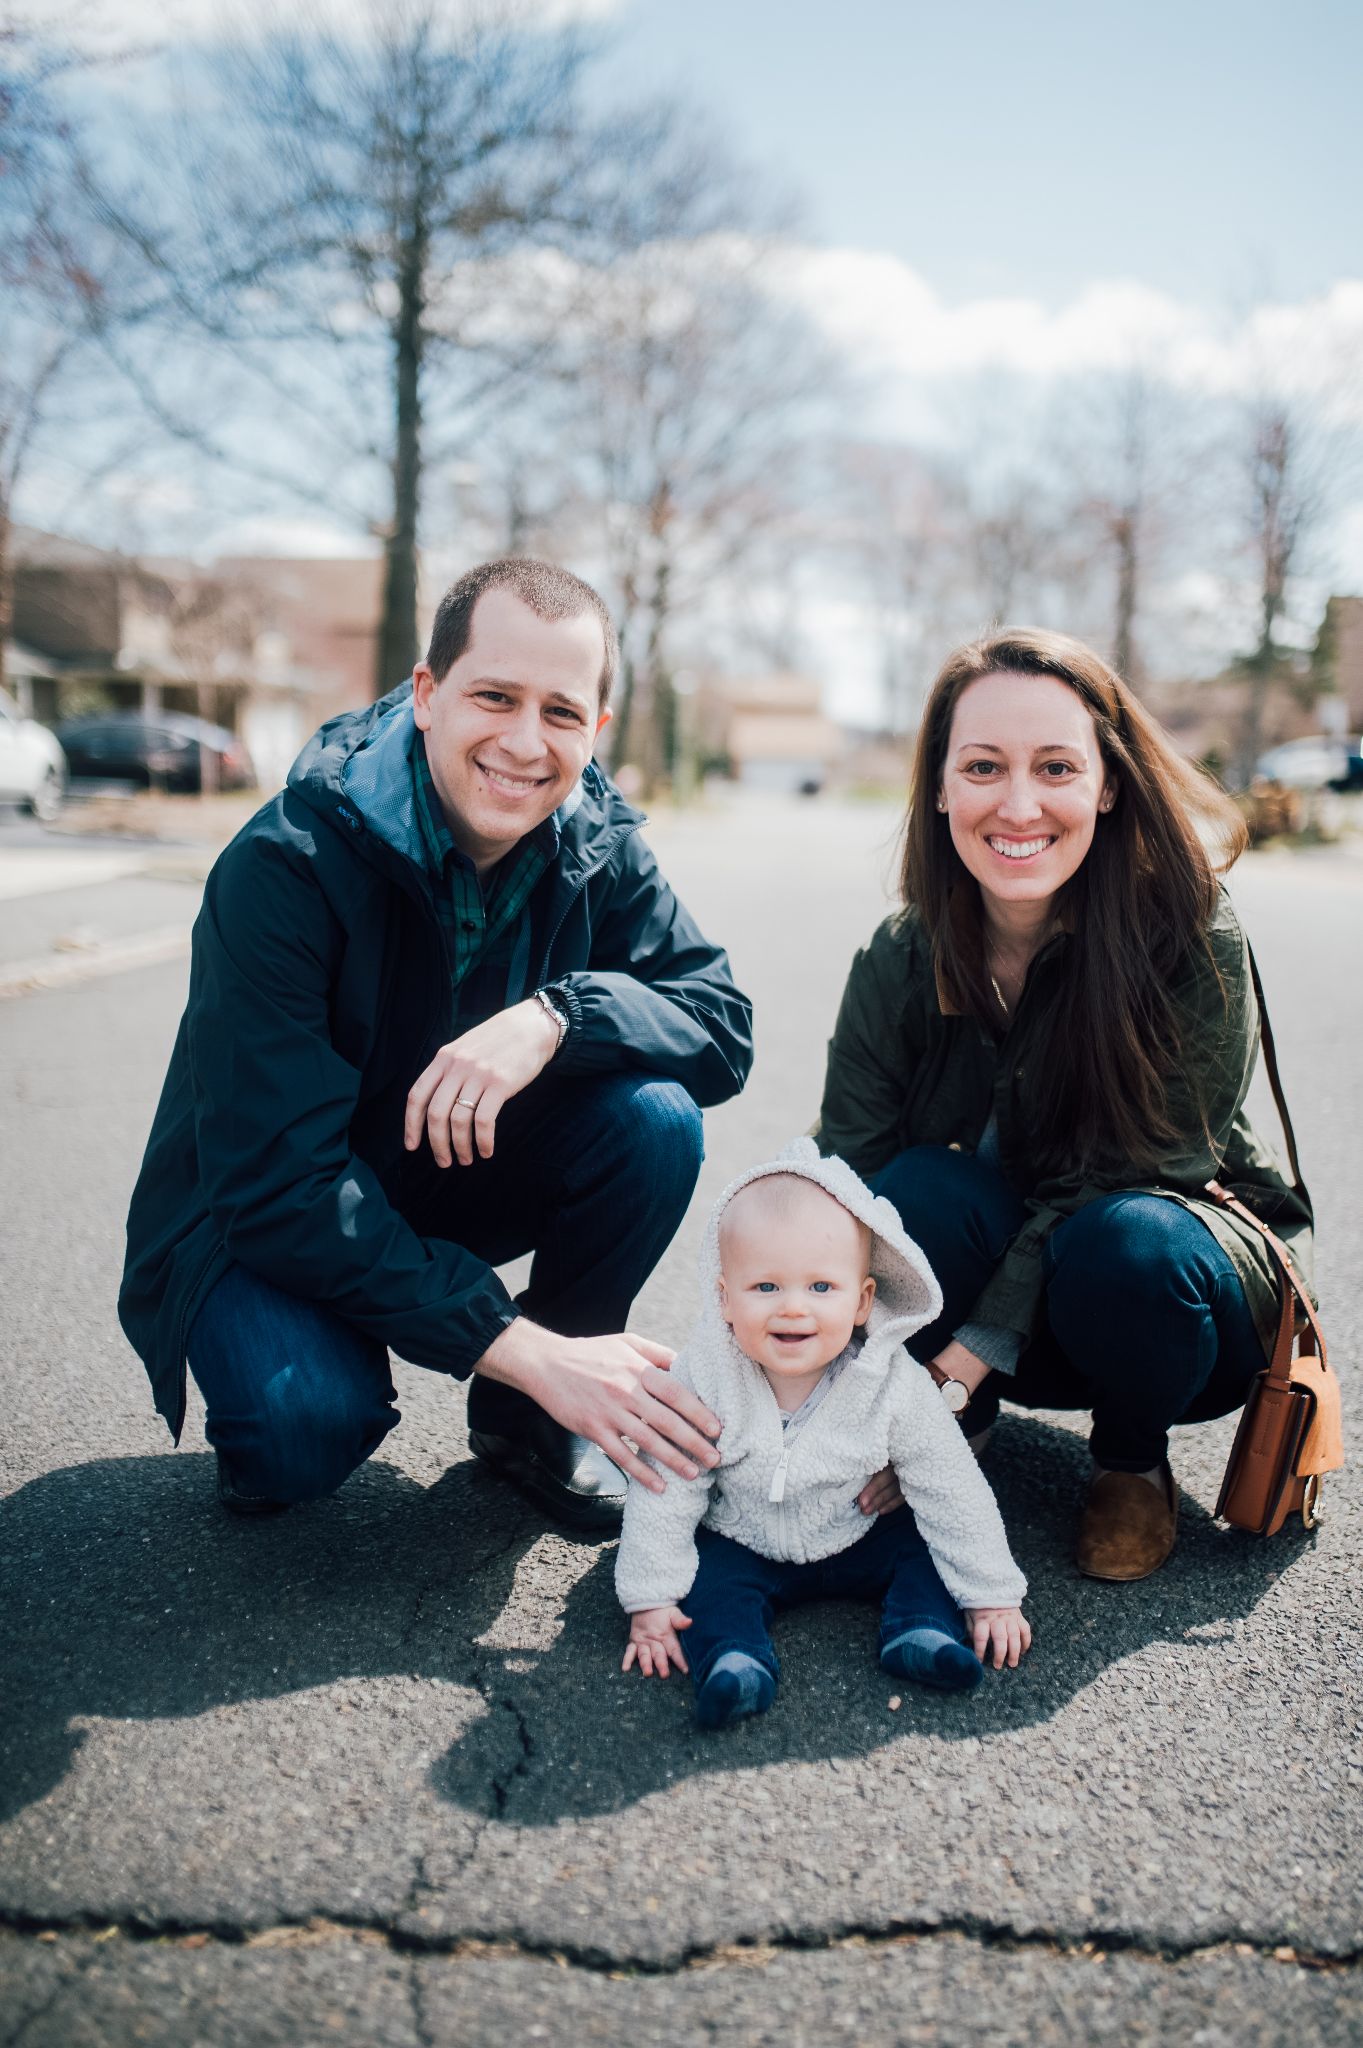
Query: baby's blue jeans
x,y
737,1592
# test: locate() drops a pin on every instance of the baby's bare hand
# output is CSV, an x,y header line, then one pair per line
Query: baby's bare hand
x,y
653,1642
999,1635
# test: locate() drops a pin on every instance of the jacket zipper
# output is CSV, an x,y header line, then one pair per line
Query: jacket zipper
x,y
581,883
776,1492
424,898
778,1495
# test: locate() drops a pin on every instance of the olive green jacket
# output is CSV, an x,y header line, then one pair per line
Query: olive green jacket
x,y
901,1072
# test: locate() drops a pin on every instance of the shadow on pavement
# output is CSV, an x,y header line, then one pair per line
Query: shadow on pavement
x,y
126,1594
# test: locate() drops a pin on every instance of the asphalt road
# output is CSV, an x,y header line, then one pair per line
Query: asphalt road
x,y
371,1772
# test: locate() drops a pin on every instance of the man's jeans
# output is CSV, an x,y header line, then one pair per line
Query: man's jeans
x,y
592,1175
737,1591
1146,1322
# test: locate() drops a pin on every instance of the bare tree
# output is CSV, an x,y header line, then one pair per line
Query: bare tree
x,y
698,391
1119,502
683,402
368,197
1010,541
1290,465
901,524
60,290
1135,460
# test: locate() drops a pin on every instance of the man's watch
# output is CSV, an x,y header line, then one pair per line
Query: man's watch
x,y
555,1010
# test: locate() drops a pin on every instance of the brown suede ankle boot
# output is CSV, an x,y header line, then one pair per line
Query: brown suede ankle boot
x,y
1128,1526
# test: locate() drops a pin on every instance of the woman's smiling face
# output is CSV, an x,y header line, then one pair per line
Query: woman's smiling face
x,y
1023,784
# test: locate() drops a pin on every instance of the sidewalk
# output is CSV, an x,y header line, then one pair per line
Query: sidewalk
x,y
68,914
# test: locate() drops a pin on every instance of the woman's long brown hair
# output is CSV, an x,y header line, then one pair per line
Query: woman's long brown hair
x,y
1140,900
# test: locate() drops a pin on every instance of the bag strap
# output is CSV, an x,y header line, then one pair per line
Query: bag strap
x,y
1295,1299
1271,1063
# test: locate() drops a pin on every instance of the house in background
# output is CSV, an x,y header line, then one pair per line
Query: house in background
x,y
268,648
770,730
320,618
65,621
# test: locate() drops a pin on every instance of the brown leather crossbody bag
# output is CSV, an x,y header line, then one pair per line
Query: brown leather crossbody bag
x,y
1291,1433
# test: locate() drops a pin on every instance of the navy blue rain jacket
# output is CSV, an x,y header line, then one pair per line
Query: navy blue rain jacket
x,y
319,990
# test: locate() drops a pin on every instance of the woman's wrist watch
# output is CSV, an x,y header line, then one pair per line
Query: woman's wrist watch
x,y
955,1393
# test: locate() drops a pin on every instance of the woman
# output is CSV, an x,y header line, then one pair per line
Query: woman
x,y
1041,1061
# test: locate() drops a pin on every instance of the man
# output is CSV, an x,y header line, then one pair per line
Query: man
x,y
443,1010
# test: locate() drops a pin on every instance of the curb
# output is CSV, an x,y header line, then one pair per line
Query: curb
x,y
26,977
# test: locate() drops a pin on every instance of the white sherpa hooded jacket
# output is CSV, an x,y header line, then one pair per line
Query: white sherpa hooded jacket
x,y
797,1499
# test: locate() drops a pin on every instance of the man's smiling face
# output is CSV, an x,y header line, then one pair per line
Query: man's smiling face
x,y
510,728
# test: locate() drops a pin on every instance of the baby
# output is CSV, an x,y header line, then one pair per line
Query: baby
x,y
810,1290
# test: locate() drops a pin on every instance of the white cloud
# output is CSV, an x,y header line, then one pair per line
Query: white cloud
x,y
892,323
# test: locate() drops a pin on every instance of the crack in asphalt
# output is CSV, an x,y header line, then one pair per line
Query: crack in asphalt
x,y
421,2025
402,1939
503,1782
499,1788
420,1883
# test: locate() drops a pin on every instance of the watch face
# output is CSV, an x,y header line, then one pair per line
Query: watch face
x,y
956,1395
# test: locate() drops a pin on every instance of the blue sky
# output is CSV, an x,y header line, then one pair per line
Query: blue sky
x,y
1209,150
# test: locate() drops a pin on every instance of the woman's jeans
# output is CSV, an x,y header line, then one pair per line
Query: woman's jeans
x,y
736,1591
1145,1321
592,1175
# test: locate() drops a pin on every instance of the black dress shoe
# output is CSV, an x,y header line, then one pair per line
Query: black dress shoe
x,y
244,1503
564,1474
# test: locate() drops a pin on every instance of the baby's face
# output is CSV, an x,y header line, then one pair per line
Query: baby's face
x,y
793,1283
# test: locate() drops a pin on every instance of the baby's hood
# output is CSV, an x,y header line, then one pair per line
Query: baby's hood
x,y
907,1296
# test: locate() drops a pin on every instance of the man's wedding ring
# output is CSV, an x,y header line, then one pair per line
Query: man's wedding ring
x,y
466,1102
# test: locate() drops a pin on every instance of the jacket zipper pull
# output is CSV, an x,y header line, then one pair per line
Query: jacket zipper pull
x,y
778,1477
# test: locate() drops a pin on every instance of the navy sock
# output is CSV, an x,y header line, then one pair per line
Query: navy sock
x,y
735,1685
929,1656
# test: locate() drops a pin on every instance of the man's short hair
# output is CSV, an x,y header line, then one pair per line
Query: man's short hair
x,y
548,591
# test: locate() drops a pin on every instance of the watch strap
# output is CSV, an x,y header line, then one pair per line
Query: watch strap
x,y
545,997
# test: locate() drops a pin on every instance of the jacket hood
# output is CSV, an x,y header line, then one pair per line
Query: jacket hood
x,y
907,1296
357,769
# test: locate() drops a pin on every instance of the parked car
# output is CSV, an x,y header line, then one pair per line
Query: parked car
x,y
32,764
1316,762
159,752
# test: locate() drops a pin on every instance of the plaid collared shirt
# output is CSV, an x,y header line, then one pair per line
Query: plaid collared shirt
x,y
472,916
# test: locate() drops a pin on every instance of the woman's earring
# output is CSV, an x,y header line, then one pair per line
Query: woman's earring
x,y
941,802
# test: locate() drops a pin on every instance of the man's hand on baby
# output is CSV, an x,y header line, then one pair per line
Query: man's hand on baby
x,y
621,1395
616,1391
999,1635
653,1642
